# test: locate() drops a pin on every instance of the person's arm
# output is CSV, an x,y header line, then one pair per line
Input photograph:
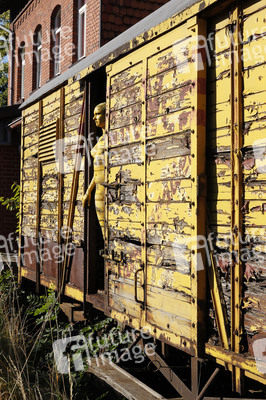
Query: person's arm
x,y
87,195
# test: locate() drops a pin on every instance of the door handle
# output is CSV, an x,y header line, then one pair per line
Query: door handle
x,y
136,286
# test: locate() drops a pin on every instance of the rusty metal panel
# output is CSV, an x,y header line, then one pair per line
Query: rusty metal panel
x,y
149,191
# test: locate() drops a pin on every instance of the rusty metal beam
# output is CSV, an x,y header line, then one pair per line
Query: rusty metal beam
x,y
144,184
218,300
167,372
59,137
38,204
197,28
208,383
106,250
236,193
73,195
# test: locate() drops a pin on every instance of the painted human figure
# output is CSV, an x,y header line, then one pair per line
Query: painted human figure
x,y
98,178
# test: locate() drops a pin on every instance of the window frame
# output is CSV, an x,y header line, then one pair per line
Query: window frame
x,y
56,42
81,39
22,71
38,58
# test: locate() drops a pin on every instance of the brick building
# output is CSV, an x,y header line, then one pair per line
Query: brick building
x,y
50,36
9,166
47,38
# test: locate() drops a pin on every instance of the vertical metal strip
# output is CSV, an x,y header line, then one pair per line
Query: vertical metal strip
x,y
106,169
86,180
237,194
21,244
144,184
38,205
74,191
197,29
60,136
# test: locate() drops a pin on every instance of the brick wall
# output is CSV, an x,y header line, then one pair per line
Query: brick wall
x,y
40,13
119,15
9,173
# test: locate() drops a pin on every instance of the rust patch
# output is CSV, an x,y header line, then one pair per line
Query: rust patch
x,y
245,207
169,193
224,264
223,160
249,271
255,209
247,127
248,164
183,120
201,86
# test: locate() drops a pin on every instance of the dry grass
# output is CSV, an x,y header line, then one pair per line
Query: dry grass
x,y
23,374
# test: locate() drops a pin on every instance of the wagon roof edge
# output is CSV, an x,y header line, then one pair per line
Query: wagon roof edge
x,y
141,33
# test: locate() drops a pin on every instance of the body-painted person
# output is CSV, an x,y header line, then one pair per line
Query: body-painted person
x,y
98,178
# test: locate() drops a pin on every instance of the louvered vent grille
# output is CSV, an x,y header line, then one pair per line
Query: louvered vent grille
x,y
47,142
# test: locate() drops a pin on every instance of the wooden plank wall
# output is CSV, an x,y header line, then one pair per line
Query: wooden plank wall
x,y
150,216
253,159
254,166
70,112
219,147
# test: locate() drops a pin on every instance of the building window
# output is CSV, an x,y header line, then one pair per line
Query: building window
x,y
81,28
37,61
22,60
56,41
21,71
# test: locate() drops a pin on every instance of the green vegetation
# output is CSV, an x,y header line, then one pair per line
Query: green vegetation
x,y
29,325
4,49
12,203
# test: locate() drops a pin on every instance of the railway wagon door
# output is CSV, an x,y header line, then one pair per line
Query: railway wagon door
x,y
155,186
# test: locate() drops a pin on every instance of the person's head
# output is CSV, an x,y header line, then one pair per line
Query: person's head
x,y
99,115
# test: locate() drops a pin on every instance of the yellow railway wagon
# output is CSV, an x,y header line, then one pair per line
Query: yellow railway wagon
x,y
184,233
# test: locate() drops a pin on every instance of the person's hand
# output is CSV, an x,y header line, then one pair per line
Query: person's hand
x,y
86,199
